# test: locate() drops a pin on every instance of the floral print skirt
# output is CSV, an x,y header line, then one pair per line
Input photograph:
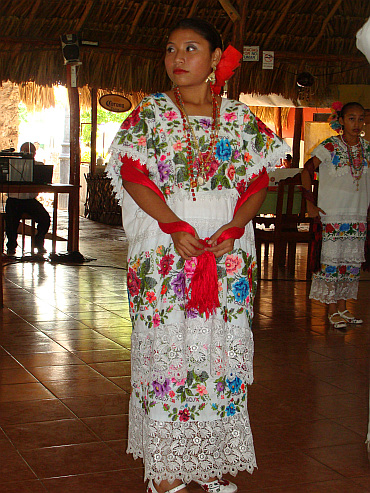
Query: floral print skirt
x,y
341,258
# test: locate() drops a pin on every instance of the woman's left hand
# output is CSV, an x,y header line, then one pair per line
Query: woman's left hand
x,y
225,247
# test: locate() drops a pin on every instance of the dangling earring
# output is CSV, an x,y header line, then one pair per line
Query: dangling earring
x,y
212,76
341,130
362,133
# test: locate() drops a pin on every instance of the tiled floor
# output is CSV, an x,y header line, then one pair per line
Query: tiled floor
x,y
65,366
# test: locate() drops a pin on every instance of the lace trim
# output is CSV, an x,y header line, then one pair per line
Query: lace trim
x,y
191,450
331,292
171,350
348,217
344,252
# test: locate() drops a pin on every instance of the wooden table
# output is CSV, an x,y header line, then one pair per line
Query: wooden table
x,y
73,213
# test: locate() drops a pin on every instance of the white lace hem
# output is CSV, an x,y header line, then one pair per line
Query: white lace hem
x,y
191,450
331,292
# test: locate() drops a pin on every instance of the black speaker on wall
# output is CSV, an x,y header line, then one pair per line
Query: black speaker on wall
x,y
70,49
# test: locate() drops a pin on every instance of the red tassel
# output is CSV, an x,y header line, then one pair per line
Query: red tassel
x,y
204,285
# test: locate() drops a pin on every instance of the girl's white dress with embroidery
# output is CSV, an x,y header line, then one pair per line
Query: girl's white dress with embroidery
x,y
188,407
345,221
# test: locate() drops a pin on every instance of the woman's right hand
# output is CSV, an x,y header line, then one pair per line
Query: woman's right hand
x,y
187,245
313,210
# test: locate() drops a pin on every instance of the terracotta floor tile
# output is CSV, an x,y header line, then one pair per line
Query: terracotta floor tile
x,y
15,375
100,356
349,460
33,411
113,369
108,427
49,434
23,487
123,382
89,345
48,359
91,386
109,482
98,405
72,459
65,372
23,392
12,466
290,468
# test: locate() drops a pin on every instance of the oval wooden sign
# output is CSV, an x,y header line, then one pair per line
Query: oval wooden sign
x,y
115,102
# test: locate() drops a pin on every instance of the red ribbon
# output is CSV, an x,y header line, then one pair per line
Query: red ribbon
x,y
130,172
260,182
225,68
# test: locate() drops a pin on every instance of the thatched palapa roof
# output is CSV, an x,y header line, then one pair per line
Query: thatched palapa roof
x,y
315,36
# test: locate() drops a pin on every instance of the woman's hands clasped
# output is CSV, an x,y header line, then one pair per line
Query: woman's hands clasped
x,y
187,245
220,249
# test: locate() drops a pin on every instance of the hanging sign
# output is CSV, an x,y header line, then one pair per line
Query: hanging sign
x,y
115,102
251,53
268,59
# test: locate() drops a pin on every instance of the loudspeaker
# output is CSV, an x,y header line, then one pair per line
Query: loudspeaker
x,y
70,49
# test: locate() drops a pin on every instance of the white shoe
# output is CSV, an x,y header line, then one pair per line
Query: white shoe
x,y
339,324
349,318
218,486
151,488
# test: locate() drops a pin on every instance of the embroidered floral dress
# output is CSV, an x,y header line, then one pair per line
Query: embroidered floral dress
x,y
345,223
188,408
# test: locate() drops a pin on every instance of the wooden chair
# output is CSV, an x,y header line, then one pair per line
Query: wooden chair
x,y
24,229
289,213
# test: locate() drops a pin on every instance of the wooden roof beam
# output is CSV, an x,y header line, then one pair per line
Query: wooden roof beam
x,y
278,23
137,18
193,8
84,16
29,21
324,24
230,10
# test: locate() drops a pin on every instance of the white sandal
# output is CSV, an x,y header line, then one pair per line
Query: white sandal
x,y
350,318
151,488
340,324
218,486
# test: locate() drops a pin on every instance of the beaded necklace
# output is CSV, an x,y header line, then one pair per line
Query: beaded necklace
x,y
356,165
200,160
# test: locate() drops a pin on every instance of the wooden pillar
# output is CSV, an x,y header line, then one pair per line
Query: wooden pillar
x,y
94,127
298,119
74,175
233,90
277,121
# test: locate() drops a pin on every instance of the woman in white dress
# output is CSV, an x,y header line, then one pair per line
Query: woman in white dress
x,y
343,201
193,170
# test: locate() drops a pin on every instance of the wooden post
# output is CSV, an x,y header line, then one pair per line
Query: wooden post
x,y
233,91
74,175
94,126
298,118
277,121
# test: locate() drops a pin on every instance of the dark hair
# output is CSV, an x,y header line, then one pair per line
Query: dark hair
x,y
288,156
202,27
348,106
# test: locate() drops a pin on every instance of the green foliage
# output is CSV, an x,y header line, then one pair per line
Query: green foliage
x,y
22,113
104,116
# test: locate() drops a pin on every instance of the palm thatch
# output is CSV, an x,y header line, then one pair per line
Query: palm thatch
x,y
306,36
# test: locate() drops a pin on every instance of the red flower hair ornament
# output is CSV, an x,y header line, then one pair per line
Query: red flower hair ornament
x,y
225,69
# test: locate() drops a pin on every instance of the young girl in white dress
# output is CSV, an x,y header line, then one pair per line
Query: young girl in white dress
x,y
343,201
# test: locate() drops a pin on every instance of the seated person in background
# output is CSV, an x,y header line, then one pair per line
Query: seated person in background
x,y
287,162
19,203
